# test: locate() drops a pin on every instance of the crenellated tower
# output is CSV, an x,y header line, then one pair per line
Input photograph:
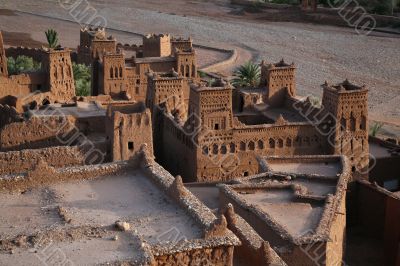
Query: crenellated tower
x,y
211,105
186,63
279,80
347,104
156,45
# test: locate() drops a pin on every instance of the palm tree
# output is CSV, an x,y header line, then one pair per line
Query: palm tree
x,y
247,75
52,38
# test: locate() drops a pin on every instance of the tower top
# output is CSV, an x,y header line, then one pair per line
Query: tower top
x,y
344,87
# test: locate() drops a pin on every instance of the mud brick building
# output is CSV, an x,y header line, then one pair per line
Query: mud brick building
x,y
217,143
126,78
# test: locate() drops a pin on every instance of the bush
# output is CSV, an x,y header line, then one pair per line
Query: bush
x,y
82,76
22,64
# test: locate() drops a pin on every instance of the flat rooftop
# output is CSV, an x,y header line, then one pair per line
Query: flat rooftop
x,y
78,218
307,168
294,198
78,110
299,218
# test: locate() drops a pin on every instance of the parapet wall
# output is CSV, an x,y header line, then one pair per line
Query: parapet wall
x,y
22,161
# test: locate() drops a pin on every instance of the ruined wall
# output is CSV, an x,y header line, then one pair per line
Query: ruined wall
x,y
127,128
25,160
21,85
37,132
220,256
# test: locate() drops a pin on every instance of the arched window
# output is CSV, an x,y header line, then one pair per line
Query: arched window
x,y
242,146
288,142
187,72
352,123
120,72
111,73
205,150
116,72
251,145
232,147
215,149
272,143
223,149
280,143
260,144
343,125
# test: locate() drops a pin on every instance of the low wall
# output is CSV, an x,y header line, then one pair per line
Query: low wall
x,y
43,132
22,161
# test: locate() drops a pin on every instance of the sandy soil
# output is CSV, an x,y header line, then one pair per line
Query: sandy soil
x,y
320,52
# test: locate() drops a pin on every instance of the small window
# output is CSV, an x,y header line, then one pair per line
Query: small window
x,y
216,126
246,173
130,145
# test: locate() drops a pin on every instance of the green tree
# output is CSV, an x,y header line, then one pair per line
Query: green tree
x,y
82,76
52,38
22,64
247,75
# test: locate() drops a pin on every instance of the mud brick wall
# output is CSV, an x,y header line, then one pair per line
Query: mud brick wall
x,y
22,161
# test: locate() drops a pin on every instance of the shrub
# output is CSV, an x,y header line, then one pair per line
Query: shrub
x,y
22,64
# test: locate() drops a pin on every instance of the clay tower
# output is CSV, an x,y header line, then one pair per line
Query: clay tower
x,y
57,63
156,45
347,105
211,105
278,79
3,58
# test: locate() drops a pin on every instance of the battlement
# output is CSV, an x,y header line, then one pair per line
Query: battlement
x,y
344,87
217,85
156,45
153,36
